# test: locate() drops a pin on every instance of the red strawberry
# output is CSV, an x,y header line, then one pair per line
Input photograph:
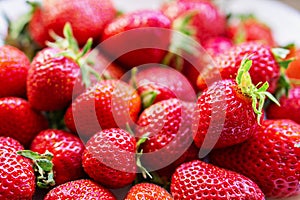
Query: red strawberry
x,y
109,158
217,45
16,173
199,180
227,110
19,121
108,104
293,70
139,42
53,15
67,150
147,191
80,189
270,158
14,67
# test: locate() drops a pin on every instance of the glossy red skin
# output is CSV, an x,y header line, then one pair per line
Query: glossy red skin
x,y
16,174
208,21
87,18
67,150
103,100
10,144
289,107
264,67
270,158
118,152
14,67
148,191
136,20
51,80
199,180
19,121
80,189
217,45
240,120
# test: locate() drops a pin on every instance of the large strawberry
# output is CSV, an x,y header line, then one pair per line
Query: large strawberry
x,y
16,173
199,180
147,191
109,158
270,158
14,67
227,110
80,189
108,104
19,121
141,35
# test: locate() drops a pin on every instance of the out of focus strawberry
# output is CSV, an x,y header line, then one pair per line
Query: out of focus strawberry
x,y
293,70
217,45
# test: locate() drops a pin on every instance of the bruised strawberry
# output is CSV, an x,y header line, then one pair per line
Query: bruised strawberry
x,y
270,158
199,180
14,67
19,121
109,158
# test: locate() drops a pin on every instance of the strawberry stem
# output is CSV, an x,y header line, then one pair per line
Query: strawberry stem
x,y
148,97
144,171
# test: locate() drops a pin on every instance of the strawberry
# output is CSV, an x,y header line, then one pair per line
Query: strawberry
x,y
147,191
109,158
199,180
67,150
149,26
293,70
53,15
19,121
270,158
16,173
80,189
236,106
108,104
14,67
217,45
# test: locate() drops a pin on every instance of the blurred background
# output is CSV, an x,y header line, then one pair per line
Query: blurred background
x,y
293,3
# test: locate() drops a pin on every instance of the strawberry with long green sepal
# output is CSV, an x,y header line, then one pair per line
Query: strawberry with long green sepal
x,y
237,103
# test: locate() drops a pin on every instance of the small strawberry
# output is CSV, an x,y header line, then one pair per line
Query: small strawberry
x,y
199,180
108,104
80,189
147,191
270,158
122,37
14,67
19,121
109,158
217,45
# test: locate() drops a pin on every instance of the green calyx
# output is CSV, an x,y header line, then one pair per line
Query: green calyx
x,y
256,93
139,154
70,48
297,145
148,98
43,167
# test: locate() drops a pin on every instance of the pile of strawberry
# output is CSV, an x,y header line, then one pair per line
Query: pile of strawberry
x,y
78,125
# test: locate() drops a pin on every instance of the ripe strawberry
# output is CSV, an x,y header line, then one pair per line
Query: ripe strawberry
x,y
16,173
108,104
234,106
19,121
80,189
14,67
53,15
147,191
270,158
67,150
199,180
293,70
139,42
109,158
217,45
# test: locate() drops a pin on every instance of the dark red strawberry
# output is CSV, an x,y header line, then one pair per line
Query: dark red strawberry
x,y
14,67
67,150
217,45
270,158
230,110
16,173
146,44
147,191
108,104
265,68
53,15
109,158
19,121
80,189
199,180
